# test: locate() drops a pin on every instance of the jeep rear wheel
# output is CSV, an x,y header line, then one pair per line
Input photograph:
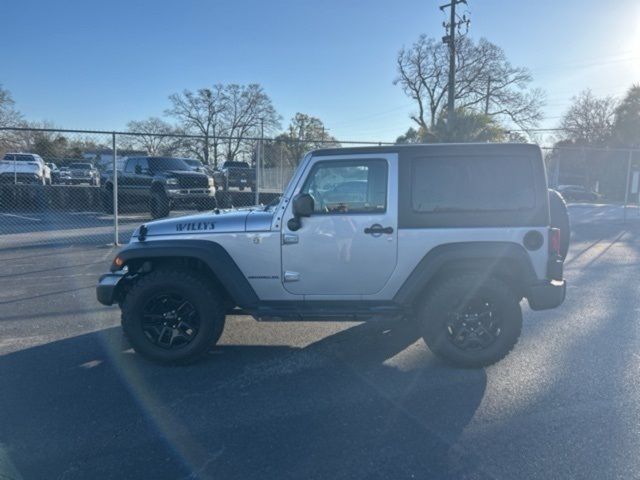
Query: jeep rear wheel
x,y
171,316
471,321
160,206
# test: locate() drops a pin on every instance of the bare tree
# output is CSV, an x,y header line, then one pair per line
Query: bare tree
x,y
9,117
304,133
627,122
486,82
247,110
200,113
154,136
589,120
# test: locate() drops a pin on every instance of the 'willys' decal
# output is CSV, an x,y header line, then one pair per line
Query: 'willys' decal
x,y
194,226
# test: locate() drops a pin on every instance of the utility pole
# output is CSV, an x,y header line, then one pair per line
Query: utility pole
x,y
259,161
450,39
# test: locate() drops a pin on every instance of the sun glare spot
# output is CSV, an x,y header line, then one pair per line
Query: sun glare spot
x,y
91,364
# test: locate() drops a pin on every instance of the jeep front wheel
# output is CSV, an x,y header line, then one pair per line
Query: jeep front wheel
x,y
471,321
171,316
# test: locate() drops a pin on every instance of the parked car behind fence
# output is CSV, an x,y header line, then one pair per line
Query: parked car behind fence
x,y
24,168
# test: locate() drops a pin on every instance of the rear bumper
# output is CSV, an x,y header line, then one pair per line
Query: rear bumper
x,y
241,182
546,295
20,177
107,288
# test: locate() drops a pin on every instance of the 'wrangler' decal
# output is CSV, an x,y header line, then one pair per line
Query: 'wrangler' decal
x,y
194,226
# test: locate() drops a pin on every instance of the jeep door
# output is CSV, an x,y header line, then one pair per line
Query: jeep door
x,y
348,246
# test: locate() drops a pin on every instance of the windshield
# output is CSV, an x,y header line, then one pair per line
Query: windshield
x,y
19,157
81,166
192,163
236,165
160,164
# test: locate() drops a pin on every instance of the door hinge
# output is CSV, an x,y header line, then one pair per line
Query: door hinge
x,y
291,276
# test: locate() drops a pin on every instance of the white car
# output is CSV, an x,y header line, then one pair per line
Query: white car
x,y
24,168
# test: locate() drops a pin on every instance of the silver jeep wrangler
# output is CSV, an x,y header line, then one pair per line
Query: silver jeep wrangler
x,y
448,237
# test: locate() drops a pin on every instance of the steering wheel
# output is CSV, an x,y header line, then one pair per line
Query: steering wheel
x,y
318,200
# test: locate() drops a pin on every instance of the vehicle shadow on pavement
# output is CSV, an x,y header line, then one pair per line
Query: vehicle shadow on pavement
x,y
367,402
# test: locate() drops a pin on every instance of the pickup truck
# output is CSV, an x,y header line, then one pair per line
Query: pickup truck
x,y
78,173
23,168
163,182
236,174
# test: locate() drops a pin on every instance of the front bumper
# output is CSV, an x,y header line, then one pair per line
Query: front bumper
x,y
547,295
76,180
107,288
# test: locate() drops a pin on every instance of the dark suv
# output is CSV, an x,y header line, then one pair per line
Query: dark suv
x,y
163,182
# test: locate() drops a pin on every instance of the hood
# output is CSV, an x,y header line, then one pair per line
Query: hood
x,y
227,221
181,173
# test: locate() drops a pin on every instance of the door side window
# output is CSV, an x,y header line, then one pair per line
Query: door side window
x,y
131,165
143,166
343,187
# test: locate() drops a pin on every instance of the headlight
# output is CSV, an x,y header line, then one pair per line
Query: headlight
x,y
212,182
172,181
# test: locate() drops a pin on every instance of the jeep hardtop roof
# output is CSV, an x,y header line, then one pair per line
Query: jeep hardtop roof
x,y
452,148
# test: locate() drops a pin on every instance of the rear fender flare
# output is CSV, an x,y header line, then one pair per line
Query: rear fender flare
x,y
486,257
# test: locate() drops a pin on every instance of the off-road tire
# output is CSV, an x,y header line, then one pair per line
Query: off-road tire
x,y
560,219
458,290
160,205
207,204
107,199
207,301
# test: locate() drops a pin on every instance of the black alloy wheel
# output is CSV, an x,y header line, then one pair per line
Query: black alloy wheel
x,y
170,321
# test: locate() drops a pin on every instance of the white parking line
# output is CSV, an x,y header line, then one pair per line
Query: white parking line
x,y
20,216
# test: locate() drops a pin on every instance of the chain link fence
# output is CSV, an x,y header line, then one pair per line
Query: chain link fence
x,y
591,176
74,187
67,187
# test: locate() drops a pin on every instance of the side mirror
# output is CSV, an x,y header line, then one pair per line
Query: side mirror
x,y
302,206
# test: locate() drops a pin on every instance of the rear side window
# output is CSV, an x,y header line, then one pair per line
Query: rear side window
x,y
472,184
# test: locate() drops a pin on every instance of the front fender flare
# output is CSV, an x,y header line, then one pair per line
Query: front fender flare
x,y
212,254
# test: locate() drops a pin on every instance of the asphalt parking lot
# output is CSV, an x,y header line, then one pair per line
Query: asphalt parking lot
x,y
313,400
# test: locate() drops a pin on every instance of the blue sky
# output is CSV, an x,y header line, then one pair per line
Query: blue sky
x,y
100,64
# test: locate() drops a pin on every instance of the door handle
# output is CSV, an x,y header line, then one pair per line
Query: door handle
x,y
289,238
378,229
